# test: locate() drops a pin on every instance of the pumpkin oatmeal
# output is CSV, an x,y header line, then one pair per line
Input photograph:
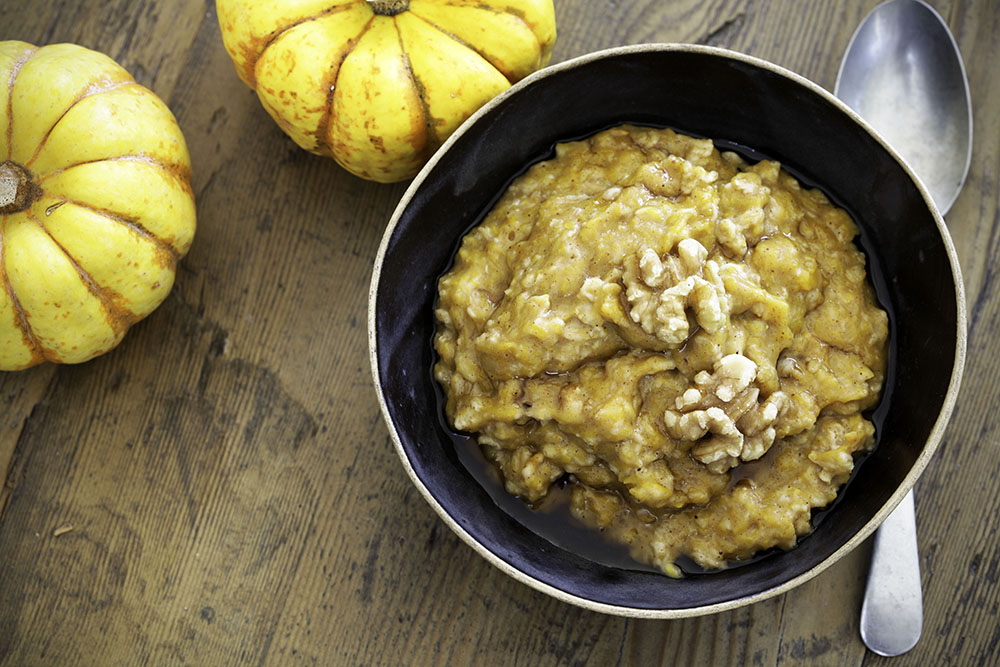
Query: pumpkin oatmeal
x,y
689,340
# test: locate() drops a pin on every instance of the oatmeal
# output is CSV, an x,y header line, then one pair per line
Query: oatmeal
x,y
689,340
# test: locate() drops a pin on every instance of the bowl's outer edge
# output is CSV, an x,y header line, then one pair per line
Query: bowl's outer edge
x,y
921,463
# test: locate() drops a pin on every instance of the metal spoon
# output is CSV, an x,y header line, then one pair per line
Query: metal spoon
x,y
903,74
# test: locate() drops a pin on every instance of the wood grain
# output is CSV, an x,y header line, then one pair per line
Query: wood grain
x,y
221,489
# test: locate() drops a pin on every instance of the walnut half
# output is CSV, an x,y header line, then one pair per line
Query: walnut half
x,y
661,290
723,406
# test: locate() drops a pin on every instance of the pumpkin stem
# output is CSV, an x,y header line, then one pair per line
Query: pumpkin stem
x,y
17,191
389,7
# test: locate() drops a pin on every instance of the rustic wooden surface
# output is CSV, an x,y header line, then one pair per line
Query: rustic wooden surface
x,y
231,488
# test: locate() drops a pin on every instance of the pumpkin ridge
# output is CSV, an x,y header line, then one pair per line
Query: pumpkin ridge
x,y
275,34
516,13
509,11
461,41
178,172
87,93
131,223
15,70
37,353
323,128
519,15
432,138
119,319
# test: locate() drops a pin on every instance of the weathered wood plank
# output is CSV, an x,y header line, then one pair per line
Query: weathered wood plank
x,y
19,394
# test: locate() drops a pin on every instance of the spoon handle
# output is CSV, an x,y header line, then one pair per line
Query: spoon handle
x,y
892,613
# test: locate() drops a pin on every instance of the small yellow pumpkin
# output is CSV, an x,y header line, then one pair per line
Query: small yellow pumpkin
x,y
379,84
95,203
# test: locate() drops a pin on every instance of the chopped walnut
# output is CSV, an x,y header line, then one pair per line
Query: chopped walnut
x,y
726,442
724,404
661,290
733,374
757,426
692,255
654,272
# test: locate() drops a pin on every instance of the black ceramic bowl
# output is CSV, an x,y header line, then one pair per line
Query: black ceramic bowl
x,y
736,100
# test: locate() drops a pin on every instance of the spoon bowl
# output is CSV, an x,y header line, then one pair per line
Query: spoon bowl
x,y
902,72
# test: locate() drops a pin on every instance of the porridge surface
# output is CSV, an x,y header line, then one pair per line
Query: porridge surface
x,y
689,339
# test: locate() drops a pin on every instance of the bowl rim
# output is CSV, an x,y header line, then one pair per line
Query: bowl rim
x,y
927,452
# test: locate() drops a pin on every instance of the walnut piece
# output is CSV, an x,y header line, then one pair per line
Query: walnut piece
x,y
723,406
661,290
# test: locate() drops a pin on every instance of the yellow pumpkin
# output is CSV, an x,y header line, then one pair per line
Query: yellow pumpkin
x,y
379,84
95,203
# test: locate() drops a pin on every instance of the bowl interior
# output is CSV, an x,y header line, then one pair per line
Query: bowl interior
x,y
731,99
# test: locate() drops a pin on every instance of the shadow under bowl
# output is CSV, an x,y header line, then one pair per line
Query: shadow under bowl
x,y
738,101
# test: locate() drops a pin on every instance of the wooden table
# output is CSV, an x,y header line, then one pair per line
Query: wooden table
x,y
231,489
